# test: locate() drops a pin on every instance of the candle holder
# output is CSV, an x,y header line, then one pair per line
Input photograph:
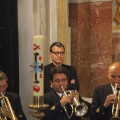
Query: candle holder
x,y
37,106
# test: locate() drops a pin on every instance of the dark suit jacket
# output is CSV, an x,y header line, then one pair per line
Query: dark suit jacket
x,y
16,105
71,74
55,111
98,112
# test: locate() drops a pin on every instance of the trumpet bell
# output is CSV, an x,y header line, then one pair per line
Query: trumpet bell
x,y
115,107
115,118
81,110
6,108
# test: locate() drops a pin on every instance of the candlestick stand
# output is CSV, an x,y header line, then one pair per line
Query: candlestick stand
x,y
37,106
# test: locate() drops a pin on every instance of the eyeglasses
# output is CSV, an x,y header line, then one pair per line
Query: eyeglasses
x,y
114,76
57,53
58,80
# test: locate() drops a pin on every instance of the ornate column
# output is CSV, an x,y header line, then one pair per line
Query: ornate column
x,y
41,23
116,29
51,21
62,26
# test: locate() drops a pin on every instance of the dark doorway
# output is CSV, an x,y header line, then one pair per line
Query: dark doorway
x,y
9,62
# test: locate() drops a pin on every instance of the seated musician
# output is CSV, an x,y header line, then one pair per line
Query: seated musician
x,y
104,96
60,103
13,98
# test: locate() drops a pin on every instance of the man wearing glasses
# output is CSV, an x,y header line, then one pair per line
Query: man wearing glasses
x,y
57,53
61,104
13,98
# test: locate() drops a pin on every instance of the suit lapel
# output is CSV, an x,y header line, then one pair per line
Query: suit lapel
x,y
108,90
55,96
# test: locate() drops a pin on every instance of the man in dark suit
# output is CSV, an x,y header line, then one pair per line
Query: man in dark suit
x,y
13,98
57,98
104,96
57,53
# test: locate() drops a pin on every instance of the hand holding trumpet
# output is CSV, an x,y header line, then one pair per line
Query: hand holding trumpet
x,y
79,109
69,98
66,99
110,99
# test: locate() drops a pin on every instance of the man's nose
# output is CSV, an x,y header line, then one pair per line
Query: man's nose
x,y
2,89
117,78
59,55
61,82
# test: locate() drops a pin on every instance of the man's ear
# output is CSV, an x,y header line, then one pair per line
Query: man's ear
x,y
50,54
108,73
7,85
51,84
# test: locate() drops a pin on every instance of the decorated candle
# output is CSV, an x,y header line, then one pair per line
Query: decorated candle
x,y
38,76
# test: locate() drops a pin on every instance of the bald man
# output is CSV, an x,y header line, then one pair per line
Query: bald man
x,y
104,96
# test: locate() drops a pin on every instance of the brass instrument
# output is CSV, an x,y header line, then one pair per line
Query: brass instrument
x,y
115,107
6,109
79,109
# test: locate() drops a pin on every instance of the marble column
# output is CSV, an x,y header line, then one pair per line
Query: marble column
x,y
91,37
25,30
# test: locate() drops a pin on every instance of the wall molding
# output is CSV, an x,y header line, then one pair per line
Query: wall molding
x,y
115,34
84,1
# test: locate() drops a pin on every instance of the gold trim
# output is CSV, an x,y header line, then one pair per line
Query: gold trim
x,y
116,28
38,100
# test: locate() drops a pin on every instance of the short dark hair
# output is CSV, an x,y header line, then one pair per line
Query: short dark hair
x,y
3,76
58,70
58,44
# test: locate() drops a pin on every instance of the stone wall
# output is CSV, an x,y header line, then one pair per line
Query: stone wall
x,y
91,43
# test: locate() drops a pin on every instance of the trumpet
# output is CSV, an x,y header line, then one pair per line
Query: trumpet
x,y
78,108
115,107
6,108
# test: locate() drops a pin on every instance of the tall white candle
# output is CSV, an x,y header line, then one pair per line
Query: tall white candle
x,y
38,53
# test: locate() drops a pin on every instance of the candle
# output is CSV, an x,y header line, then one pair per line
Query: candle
x,y
38,48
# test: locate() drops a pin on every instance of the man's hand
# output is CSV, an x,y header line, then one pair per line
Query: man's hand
x,y
110,99
66,99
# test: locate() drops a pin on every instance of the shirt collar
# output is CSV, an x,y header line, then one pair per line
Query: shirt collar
x,y
60,94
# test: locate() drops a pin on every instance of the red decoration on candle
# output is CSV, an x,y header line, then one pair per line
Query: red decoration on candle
x,y
35,47
40,58
40,75
36,88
